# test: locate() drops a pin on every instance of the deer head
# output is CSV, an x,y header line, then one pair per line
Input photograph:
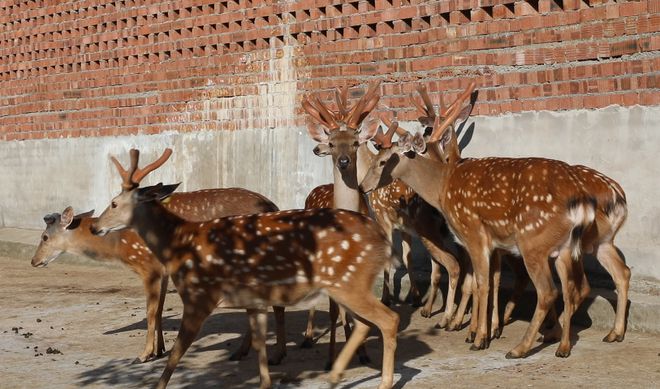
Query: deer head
x,y
119,214
341,131
53,240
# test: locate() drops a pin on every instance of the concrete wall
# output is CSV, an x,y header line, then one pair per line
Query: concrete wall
x,y
42,176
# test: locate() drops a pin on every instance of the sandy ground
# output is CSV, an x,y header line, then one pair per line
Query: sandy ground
x,y
94,316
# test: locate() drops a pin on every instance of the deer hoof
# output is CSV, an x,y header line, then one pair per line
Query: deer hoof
x,y
307,343
276,360
613,337
425,312
563,353
364,359
479,346
328,367
497,333
471,336
512,355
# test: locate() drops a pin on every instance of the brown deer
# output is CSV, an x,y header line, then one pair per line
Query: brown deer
x,y
69,233
532,206
611,213
322,197
343,137
276,258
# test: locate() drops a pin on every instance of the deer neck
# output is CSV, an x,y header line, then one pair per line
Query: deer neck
x,y
82,242
427,178
157,227
364,160
346,195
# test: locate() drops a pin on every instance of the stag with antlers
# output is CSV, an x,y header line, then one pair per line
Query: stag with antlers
x,y
276,258
532,206
68,233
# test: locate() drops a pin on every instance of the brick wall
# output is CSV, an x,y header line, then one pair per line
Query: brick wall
x,y
97,68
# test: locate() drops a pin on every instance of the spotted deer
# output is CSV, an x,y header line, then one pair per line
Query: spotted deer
x,y
343,137
322,197
532,206
611,213
68,233
254,261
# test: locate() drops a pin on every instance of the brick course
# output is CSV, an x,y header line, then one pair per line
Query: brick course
x,y
100,68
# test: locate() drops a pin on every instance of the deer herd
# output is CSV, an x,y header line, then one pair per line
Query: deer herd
x,y
235,247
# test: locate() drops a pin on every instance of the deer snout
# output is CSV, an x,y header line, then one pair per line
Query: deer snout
x,y
343,161
97,231
37,262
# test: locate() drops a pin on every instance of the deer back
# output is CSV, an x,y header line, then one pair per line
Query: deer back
x,y
209,204
322,196
277,257
511,197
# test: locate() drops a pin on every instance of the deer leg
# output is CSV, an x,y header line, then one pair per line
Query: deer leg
x,y
366,307
193,318
609,257
309,332
568,271
474,315
258,325
347,320
466,293
520,283
160,341
152,284
427,309
496,268
244,349
539,272
454,270
334,313
406,244
281,337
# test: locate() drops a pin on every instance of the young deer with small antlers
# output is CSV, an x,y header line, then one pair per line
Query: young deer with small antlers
x,y
276,258
533,206
69,233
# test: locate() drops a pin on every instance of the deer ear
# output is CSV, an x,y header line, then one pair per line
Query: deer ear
x,y
84,215
405,143
418,143
67,217
317,133
155,192
368,131
465,113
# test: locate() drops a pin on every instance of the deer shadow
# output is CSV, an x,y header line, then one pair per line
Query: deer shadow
x,y
300,365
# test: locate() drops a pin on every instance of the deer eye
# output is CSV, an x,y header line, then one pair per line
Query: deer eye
x,y
113,204
331,144
356,143
44,238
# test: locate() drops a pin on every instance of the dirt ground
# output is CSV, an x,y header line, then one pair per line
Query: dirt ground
x,y
92,316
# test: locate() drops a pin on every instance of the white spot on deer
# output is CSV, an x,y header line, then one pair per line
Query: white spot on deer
x,y
189,264
216,261
330,250
317,278
194,280
336,258
331,271
124,241
322,234
131,257
135,246
344,244
368,247
239,251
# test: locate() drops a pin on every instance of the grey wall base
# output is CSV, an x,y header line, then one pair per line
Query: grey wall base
x,y
43,176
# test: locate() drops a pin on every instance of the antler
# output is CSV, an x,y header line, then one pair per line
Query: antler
x,y
320,112
363,107
352,117
427,110
131,178
384,139
450,114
